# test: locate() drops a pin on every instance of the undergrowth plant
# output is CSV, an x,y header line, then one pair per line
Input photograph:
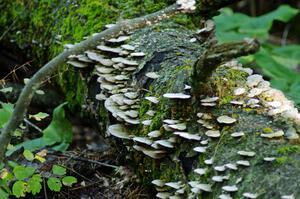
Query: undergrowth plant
x,y
26,176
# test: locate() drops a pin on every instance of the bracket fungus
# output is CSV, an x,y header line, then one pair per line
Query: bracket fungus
x,y
173,129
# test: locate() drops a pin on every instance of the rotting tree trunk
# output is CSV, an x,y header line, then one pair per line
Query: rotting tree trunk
x,y
169,153
170,53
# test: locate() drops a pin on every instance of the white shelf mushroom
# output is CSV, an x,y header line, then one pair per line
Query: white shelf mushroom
x,y
176,96
224,119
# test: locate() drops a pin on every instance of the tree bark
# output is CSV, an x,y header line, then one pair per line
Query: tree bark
x,y
174,58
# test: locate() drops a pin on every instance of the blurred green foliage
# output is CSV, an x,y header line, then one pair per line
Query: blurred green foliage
x,y
279,63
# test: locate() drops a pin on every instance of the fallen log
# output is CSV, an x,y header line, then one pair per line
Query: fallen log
x,y
195,123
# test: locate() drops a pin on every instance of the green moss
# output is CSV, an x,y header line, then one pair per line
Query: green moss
x,y
170,172
70,79
182,68
224,80
267,130
285,150
41,21
281,160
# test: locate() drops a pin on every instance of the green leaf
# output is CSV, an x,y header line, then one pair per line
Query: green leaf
x,y
274,69
28,155
12,164
61,147
5,113
288,56
17,133
60,129
22,172
30,145
59,170
3,194
34,184
19,189
39,116
235,26
54,184
69,181
58,132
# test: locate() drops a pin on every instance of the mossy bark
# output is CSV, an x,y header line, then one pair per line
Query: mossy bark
x,y
171,54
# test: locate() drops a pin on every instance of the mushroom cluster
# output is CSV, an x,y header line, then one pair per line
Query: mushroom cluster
x,y
114,63
257,93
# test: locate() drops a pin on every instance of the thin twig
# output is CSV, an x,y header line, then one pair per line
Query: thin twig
x,y
8,29
45,189
86,160
86,186
33,125
285,34
13,71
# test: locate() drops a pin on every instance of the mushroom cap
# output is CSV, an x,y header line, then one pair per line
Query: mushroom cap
x,y
128,47
225,196
188,136
276,134
209,161
152,75
200,149
179,126
220,168
217,178
154,100
77,64
155,154
239,91
230,188
143,140
237,134
243,163
209,99
246,153
118,130
137,54
164,143
170,121
250,195
175,185
254,80
176,96
213,133
154,134
200,171
201,186
158,182
109,49
224,119
269,159
231,166
147,122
